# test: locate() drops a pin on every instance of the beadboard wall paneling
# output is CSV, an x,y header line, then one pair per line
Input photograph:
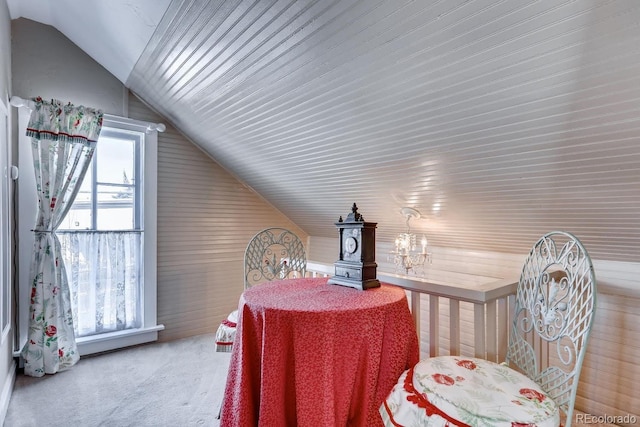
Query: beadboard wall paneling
x,y
325,249
609,383
497,120
206,217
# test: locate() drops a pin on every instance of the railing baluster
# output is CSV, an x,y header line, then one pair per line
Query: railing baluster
x,y
490,331
415,310
434,325
503,323
479,330
454,327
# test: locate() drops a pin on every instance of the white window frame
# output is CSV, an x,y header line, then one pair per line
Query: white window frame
x,y
27,206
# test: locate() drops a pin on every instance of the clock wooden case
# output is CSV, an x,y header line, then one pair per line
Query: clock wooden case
x,y
356,266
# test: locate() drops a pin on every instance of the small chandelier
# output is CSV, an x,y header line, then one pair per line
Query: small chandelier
x,y
405,257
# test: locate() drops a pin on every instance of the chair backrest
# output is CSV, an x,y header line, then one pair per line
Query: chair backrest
x,y
273,253
555,304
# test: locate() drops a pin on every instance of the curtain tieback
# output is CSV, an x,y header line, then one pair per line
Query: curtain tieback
x,y
42,231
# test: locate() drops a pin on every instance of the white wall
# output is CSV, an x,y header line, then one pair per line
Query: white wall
x,y
5,48
47,64
7,365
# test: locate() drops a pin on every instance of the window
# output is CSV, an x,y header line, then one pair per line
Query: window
x,y
102,237
109,235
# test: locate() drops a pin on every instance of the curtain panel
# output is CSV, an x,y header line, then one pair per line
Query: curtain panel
x,y
104,272
63,139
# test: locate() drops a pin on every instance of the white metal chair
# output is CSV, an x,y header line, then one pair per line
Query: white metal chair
x,y
273,253
537,384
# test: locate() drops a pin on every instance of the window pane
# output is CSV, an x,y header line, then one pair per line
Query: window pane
x,y
115,160
115,208
78,217
84,194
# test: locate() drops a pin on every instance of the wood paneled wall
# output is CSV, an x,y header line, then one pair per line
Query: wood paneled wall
x,y
610,379
206,217
497,120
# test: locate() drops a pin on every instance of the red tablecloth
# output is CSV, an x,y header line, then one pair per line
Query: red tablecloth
x,y
312,354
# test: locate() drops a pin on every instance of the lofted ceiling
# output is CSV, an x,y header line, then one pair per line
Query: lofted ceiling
x,y
497,120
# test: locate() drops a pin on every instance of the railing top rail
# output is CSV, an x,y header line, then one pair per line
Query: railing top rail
x,y
459,286
475,293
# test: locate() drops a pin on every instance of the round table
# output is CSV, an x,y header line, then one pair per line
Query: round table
x,y
312,354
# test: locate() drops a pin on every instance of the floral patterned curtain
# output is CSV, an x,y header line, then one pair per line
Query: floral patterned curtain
x,y
63,139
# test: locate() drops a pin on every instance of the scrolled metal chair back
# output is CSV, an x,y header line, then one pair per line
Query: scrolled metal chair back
x,y
554,308
273,253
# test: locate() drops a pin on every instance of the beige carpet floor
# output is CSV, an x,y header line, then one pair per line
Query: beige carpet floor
x,y
177,383
174,384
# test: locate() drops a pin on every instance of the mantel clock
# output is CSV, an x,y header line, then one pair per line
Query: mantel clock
x,y
356,266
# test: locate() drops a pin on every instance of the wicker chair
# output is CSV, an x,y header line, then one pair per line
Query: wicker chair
x,y
272,254
537,384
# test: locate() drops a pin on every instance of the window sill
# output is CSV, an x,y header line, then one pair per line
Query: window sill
x,y
114,340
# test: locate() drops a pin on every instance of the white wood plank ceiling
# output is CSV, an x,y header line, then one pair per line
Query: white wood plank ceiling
x,y
498,120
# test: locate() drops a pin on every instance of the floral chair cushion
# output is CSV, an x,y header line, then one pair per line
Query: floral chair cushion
x,y
459,391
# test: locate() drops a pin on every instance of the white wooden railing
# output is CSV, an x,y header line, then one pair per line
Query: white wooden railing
x,y
492,299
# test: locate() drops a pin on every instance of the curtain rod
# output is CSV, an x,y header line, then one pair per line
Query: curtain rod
x,y
18,102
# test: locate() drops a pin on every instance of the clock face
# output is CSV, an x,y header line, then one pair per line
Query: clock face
x,y
350,244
